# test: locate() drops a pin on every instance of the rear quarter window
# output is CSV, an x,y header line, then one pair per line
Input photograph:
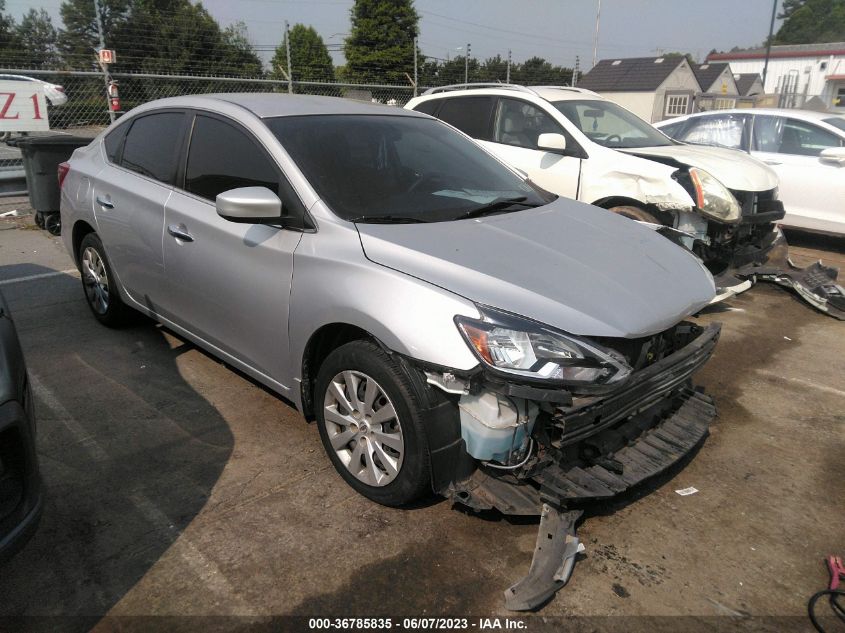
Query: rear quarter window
x,y
112,142
428,107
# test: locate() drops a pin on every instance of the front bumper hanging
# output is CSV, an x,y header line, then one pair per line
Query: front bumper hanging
x,y
816,284
591,450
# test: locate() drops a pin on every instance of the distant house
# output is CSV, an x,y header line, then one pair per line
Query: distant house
x,y
655,88
717,85
797,72
748,84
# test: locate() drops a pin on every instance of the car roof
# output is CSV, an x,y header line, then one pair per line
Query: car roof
x,y
808,115
270,104
547,93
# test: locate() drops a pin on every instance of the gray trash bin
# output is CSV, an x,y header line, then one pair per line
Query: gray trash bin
x,y
41,157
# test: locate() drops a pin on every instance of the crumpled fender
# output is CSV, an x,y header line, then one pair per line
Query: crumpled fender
x,y
646,181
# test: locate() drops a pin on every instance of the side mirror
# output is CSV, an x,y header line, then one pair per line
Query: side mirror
x,y
250,205
551,142
833,155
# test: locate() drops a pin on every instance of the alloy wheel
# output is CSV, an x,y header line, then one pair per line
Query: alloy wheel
x,y
363,428
96,280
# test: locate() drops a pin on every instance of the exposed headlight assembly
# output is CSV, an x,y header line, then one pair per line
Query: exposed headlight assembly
x,y
514,345
713,198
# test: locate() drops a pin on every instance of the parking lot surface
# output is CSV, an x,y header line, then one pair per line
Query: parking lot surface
x,y
176,486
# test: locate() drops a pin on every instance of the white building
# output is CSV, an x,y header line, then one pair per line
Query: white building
x,y
802,70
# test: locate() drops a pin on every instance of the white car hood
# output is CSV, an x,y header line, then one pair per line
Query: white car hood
x,y
733,168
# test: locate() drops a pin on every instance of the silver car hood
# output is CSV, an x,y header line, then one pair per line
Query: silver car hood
x,y
567,264
735,169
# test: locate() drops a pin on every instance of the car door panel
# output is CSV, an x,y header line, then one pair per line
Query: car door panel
x,y
129,205
812,190
517,125
226,271
218,271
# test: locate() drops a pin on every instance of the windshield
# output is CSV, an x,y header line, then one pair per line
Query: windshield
x,y
610,125
399,168
836,121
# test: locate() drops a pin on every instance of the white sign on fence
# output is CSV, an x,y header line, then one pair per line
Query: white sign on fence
x,y
23,107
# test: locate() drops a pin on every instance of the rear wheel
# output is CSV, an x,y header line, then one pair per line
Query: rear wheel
x,y
99,284
370,424
635,213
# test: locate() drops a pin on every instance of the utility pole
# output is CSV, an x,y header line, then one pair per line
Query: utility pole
x,y
575,71
287,52
106,79
416,77
596,38
466,66
508,76
769,42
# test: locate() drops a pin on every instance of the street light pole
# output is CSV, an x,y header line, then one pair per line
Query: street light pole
x,y
416,79
104,68
287,52
596,38
466,66
769,43
508,76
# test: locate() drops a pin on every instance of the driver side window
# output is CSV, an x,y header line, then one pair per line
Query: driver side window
x,y
521,123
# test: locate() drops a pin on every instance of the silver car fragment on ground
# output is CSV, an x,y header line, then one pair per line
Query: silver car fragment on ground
x,y
449,326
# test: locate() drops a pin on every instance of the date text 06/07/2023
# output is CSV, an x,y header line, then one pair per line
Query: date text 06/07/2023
x,y
414,624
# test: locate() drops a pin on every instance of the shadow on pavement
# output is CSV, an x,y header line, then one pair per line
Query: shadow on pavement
x,y
129,454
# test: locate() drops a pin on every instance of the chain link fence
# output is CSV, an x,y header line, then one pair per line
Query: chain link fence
x,y
86,113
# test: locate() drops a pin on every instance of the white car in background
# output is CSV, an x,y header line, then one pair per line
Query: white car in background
x,y
55,93
577,144
805,148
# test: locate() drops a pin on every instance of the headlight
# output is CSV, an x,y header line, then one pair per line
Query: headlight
x,y
517,346
713,198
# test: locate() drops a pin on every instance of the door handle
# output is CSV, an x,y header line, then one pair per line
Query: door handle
x,y
105,203
180,233
772,162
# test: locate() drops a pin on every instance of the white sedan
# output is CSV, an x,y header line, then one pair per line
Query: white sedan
x,y
805,148
55,93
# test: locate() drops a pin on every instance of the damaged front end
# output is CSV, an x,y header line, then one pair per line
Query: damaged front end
x,y
752,248
607,414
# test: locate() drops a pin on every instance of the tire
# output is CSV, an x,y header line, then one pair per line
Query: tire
x,y
635,213
53,223
392,473
98,283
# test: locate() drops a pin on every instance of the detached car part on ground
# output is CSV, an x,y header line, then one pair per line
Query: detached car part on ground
x,y
450,326
20,482
721,204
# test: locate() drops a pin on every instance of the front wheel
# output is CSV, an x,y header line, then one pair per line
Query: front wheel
x,y
370,424
99,283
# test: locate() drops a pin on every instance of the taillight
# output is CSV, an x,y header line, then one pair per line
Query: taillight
x,y
64,168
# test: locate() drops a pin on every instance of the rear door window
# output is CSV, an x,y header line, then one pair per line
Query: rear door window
x,y
471,115
153,144
790,136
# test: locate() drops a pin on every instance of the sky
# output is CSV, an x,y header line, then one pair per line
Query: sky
x,y
557,30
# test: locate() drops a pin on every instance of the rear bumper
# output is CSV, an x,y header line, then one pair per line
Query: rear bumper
x,y
602,448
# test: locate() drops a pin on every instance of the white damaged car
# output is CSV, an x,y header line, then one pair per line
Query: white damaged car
x,y
721,204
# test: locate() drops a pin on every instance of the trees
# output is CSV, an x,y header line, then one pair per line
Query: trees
x,y
38,40
173,36
78,39
811,21
310,59
380,46
9,40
